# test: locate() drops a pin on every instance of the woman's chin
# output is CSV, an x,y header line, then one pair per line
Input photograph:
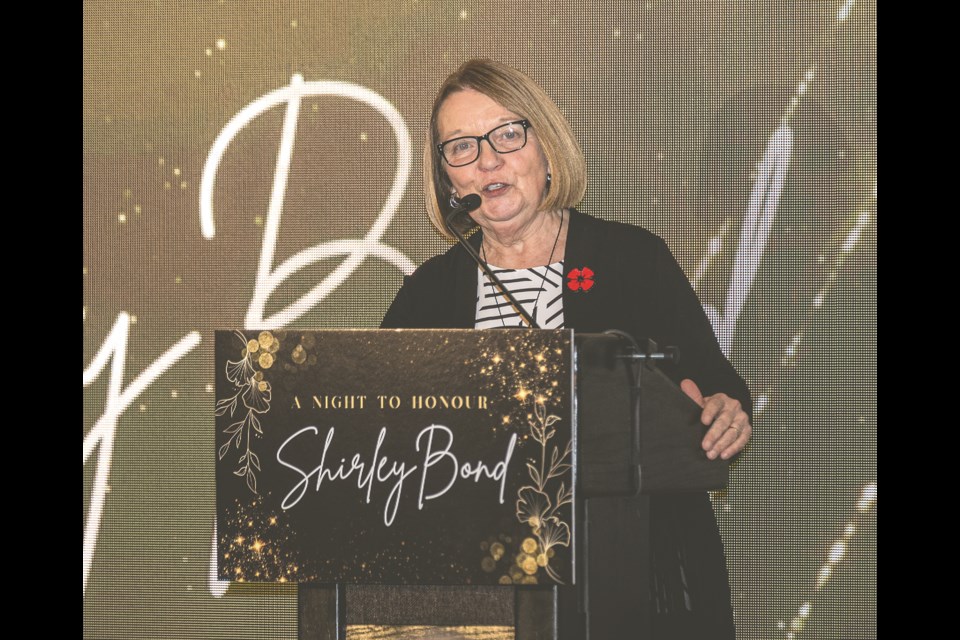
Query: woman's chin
x,y
503,217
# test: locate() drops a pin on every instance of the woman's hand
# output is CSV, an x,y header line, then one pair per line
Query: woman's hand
x,y
729,424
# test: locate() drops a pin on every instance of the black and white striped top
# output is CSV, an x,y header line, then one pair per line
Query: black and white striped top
x,y
494,310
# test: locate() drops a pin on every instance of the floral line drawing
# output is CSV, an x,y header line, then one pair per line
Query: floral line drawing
x,y
254,394
538,504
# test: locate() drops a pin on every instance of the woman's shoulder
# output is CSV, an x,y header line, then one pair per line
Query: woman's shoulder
x,y
439,267
423,300
615,235
612,228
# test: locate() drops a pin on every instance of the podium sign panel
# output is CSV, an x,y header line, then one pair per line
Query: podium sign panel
x,y
387,457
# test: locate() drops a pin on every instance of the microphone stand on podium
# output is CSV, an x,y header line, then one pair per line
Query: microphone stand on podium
x,y
638,436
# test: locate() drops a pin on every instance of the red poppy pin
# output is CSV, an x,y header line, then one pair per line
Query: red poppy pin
x,y
580,279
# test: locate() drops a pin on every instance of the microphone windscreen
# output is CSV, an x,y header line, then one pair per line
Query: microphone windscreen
x,y
470,202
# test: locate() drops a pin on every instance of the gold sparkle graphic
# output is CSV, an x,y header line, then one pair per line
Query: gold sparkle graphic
x,y
266,553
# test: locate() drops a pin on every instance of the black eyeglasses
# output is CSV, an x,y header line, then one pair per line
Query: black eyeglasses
x,y
465,150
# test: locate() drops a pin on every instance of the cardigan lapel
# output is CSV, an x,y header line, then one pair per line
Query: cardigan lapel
x,y
465,285
577,310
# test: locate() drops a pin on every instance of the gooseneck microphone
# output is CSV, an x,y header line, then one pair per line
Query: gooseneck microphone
x,y
464,205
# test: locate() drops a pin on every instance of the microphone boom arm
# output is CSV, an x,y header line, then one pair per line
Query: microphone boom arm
x,y
467,204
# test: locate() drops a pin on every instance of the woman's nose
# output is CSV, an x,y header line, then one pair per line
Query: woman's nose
x,y
489,159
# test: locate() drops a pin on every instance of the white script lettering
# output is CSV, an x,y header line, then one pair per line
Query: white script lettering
x,y
380,469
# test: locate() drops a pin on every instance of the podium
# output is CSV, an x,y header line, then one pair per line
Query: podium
x,y
550,445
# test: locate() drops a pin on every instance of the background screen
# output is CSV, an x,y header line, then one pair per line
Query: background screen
x,y
743,133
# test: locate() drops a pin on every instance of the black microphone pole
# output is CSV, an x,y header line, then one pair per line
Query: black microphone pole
x,y
465,205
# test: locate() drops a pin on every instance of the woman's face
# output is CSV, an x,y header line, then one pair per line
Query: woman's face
x,y
511,185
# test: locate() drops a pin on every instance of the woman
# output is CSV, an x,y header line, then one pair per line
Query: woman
x,y
495,133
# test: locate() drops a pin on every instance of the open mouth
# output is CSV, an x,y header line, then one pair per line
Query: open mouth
x,y
495,188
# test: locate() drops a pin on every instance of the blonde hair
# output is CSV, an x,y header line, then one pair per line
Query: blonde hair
x,y
518,93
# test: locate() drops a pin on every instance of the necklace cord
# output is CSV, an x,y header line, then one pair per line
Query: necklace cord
x,y
509,297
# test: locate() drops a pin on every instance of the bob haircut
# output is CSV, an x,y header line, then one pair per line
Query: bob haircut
x,y
518,93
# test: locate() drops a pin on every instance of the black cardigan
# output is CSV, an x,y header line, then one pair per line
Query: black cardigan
x,y
638,288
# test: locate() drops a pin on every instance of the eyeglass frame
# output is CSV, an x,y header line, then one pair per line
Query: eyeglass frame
x,y
522,122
